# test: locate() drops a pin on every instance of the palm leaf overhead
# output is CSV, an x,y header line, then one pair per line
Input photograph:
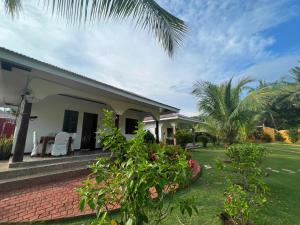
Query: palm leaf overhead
x,y
13,7
146,14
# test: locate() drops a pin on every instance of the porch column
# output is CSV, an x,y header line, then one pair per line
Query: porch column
x,y
117,119
174,133
157,131
21,133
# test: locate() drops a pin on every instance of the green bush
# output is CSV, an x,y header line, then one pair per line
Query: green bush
x,y
203,139
183,137
258,134
246,191
293,134
5,148
149,137
279,137
127,183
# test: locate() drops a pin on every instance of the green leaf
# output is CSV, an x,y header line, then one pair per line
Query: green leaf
x,y
82,204
189,210
129,221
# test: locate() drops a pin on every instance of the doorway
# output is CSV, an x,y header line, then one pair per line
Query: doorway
x,y
89,128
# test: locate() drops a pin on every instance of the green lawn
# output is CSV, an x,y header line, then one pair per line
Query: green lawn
x,y
284,202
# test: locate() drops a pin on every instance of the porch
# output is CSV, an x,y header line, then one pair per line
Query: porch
x,y
51,100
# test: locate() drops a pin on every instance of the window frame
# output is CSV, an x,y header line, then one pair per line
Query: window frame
x,y
129,121
70,122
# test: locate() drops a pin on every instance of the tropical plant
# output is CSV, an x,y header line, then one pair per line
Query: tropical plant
x,y
147,15
246,160
294,134
5,148
111,137
149,137
226,112
204,139
246,190
132,184
283,110
183,137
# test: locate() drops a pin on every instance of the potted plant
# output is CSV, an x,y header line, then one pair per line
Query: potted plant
x,y
5,148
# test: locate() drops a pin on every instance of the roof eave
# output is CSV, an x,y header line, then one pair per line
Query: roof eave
x,y
14,57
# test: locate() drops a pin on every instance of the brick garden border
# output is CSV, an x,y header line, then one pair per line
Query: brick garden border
x,y
52,202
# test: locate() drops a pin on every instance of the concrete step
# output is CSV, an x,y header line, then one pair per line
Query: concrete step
x,y
30,173
45,161
11,184
47,168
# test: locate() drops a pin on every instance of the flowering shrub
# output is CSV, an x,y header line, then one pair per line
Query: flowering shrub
x,y
191,163
127,183
247,190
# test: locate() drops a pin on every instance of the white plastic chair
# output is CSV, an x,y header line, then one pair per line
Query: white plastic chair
x,y
60,144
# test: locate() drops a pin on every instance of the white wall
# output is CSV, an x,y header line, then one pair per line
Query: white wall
x,y
162,131
50,112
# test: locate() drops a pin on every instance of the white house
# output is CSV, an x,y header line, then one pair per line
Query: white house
x,y
168,124
51,100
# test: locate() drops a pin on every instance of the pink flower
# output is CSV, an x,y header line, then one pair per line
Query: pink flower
x,y
229,199
191,163
153,157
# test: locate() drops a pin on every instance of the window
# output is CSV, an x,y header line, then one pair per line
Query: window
x,y
70,121
131,126
169,132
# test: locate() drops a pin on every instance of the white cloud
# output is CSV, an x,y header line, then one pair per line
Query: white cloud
x,y
224,39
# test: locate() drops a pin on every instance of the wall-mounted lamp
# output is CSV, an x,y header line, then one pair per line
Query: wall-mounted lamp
x,y
32,118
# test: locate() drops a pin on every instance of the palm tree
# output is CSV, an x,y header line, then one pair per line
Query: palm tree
x,y
229,114
147,15
284,110
296,74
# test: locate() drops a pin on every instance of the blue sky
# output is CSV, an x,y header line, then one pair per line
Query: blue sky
x,y
258,38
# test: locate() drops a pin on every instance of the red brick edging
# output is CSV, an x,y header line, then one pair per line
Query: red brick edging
x,y
52,201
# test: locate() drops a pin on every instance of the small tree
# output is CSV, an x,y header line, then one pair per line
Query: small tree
x,y
183,137
247,190
128,183
111,137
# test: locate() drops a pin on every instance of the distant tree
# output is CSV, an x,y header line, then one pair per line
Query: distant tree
x,y
283,111
227,114
147,15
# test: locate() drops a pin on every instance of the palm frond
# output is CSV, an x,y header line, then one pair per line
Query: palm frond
x,y
296,74
13,7
146,14
210,99
259,99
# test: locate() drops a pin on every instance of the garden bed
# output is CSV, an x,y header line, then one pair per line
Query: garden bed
x,y
51,202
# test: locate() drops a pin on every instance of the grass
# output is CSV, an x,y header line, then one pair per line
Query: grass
x,y
284,203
